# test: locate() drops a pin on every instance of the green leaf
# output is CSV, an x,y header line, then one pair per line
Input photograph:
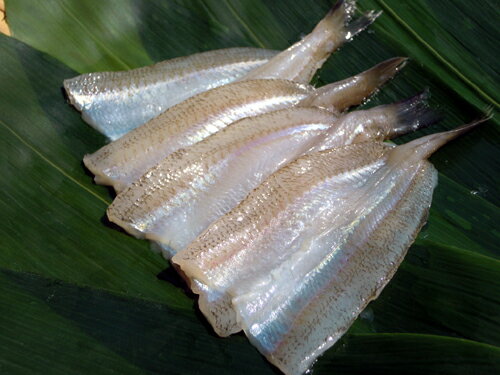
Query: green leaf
x,y
77,295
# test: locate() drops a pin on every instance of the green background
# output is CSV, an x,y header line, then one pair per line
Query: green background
x,y
77,295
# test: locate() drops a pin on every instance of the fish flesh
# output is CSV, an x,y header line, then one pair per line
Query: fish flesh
x,y
300,62
308,249
123,161
116,102
174,201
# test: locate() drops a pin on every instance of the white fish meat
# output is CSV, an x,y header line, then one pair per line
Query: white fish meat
x,y
181,196
123,161
116,102
306,251
126,159
300,62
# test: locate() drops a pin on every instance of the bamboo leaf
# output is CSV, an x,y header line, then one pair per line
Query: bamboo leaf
x,y
79,296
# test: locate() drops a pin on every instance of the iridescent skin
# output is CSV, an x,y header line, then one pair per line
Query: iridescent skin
x,y
115,164
308,249
177,199
116,102
129,157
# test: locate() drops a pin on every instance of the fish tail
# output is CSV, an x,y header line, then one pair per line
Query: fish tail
x,y
341,95
337,20
361,23
422,148
384,71
412,114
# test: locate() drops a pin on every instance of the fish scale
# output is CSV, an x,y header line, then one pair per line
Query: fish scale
x,y
295,263
129,157
177,199
116,102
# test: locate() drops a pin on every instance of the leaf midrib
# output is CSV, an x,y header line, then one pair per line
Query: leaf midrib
x,y
53,165
96,40
391,12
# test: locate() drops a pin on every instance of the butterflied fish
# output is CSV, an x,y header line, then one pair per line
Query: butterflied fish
x,y
181,196
306,251
116,102
126,159
300,62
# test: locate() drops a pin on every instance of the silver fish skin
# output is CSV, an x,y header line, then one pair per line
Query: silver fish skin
x,y
300,62
379,123
178,198
116,102
181,196
115,164
125,160
307,250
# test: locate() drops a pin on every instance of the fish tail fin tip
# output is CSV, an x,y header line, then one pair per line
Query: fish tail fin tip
x,y
424,147
340,16
387,69
361,23
335,97
413,114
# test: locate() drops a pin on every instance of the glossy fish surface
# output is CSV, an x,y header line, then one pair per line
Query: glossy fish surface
x,y
178,198
206,113
307,250
181,196
129,157
117,102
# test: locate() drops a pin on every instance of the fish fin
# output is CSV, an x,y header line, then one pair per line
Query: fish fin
x,y
386,70
361,23
413,114
340,15
341,95
422,148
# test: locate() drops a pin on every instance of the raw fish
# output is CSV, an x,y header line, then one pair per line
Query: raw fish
x,y
181,196
123,161
306,251
116,102
300,62
126,159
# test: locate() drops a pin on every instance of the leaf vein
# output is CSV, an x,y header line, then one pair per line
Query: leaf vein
x,y
59,169
448,64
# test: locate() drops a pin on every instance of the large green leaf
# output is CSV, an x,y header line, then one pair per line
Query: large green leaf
x,y
79,296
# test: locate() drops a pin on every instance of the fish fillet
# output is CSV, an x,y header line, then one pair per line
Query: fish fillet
x,y
126,159
308,249
116,102
129,157
181,196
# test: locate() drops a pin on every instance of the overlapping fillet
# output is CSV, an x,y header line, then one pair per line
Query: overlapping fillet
x,y
177,199
125,160
305,252
116,102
